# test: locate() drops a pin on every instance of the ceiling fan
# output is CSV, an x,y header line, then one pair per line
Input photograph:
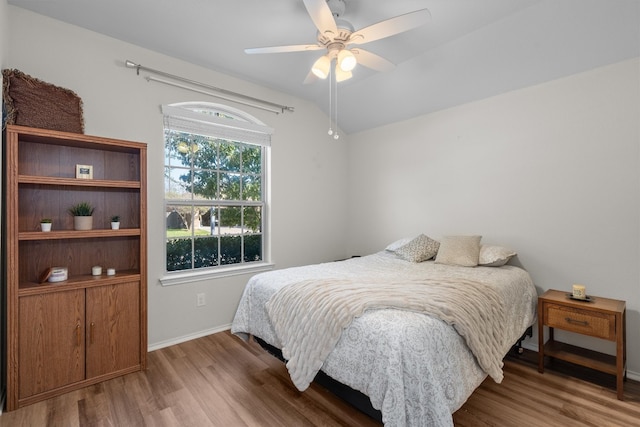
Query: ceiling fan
x,y
338,37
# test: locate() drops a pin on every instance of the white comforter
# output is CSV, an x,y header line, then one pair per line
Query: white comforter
x,y
416,369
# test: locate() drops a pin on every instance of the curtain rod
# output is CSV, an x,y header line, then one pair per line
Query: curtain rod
x,y
251,103
204,92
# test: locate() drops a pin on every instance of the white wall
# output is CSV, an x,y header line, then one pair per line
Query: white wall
x,y
552,171
309,170
4,33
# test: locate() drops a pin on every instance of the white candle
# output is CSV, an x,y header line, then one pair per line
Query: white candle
x,y
96,270
111,271
58,274
579,291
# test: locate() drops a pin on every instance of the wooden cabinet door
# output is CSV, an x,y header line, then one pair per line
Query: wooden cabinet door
x,y
113,328
51,341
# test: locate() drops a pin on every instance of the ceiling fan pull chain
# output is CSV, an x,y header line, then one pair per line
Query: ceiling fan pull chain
x,y
335,122
330,104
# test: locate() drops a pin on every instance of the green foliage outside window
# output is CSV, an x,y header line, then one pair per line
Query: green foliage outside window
x,y
199,170
179,254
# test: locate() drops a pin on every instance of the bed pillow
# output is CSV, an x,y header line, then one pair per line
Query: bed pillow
x,y
394,246
419,249
495,256
459,250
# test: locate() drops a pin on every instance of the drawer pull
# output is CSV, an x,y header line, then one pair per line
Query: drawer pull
x,y
576,322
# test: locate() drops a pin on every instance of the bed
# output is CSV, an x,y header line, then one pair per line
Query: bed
x,y
416,368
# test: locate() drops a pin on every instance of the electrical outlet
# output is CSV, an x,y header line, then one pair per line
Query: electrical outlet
x,y
200,300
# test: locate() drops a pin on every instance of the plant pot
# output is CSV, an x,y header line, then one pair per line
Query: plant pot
x,y
115,225
82,222
45,226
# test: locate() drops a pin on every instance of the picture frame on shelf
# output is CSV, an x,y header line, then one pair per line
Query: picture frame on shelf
x,y
84,172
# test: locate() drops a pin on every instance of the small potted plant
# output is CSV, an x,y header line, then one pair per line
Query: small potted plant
x,y
115,222
45,224
82,216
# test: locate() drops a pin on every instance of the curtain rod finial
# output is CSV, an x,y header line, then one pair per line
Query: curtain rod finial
x,y
131,64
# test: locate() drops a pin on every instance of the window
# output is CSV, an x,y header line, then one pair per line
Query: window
x,y
215,180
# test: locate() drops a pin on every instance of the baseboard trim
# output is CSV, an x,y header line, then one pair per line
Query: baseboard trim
x,y
189,337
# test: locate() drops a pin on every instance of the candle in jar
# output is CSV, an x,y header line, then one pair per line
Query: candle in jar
x,y
96,270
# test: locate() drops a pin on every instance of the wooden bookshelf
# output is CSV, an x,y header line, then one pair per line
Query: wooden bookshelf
x,y
66,335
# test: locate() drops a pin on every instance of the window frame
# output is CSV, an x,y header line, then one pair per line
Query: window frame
x,y
239,127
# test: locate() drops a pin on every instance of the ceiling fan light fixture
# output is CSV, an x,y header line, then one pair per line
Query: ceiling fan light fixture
x,y
346,60
321,67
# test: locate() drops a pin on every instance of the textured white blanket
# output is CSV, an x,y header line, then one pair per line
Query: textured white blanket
x,y
309,317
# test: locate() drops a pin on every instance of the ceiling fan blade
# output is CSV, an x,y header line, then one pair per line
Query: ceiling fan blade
x,y
321,16
390,27
284,49
373,61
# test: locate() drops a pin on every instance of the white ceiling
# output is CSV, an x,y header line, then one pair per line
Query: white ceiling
x,y
471,49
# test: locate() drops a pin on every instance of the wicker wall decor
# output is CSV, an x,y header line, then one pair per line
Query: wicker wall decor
x,y
32,102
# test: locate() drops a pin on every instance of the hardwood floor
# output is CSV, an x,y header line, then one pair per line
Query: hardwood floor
x,y
528,398
220,381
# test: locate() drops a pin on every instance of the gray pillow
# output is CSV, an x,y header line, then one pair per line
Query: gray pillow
x,y
459,250
419,249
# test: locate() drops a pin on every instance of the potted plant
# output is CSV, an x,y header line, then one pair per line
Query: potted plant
x,y
115,222
45,224
82,216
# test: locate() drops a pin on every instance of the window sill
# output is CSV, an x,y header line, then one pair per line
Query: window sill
x,y
180,277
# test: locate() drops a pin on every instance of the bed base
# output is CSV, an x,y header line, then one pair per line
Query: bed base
x,y
517,347
358,400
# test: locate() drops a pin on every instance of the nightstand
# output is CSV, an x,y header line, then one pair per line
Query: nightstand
x,y
601,318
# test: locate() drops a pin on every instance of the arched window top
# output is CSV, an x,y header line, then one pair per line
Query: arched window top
x,y
212,109
217,120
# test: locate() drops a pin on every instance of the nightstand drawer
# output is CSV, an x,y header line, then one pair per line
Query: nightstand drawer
x,y
582,321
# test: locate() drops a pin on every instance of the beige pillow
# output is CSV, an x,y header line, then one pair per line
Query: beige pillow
x,y
419,249
459,250
495,256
